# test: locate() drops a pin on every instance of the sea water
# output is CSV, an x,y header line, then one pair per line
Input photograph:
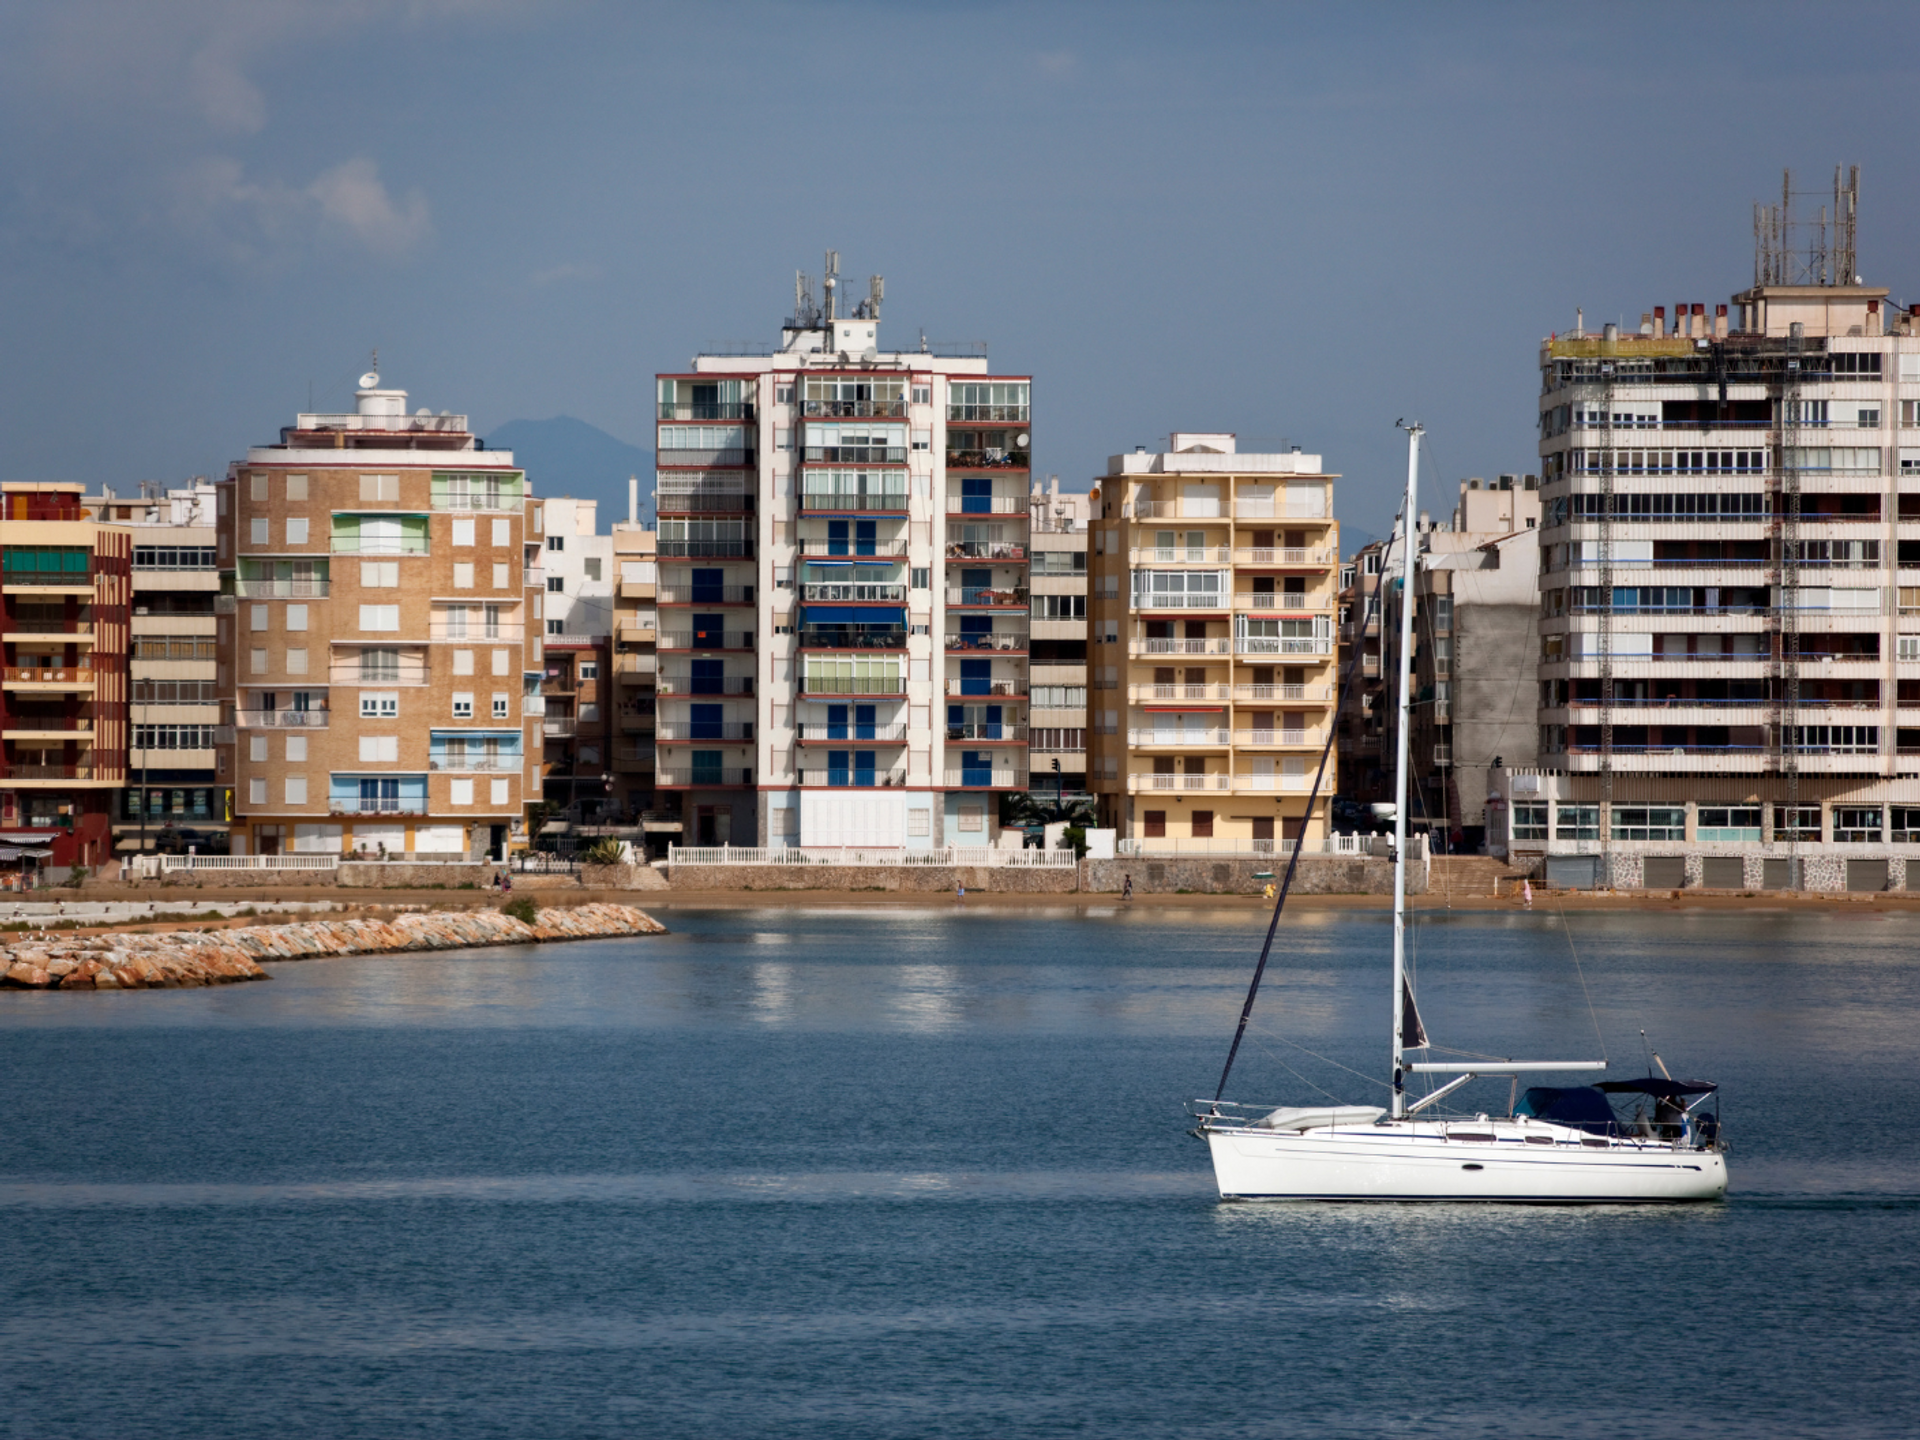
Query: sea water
x,y
847,1171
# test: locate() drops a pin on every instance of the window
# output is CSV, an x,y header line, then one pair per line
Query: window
x,y
1728,823
556,627
556,585
463,531
1577,822
296,790
556,542
1868,419
296,617
592,567
502,708
257,790
1153,824
1059,607
297,747
463,662
257,486
173,737
497,791
257,657
379,704
500,581
1530,821
256,617
376,748
175,557
380,574
297,530
922,577
1906,825
257,531
1203,824
1801,823
589,670
296,487
1639,822
1443,612
460,792
463,576
1059,697
539,517
502,532
463,705
379,487
379,617
1856,824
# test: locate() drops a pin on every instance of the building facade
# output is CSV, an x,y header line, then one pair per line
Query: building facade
x,y
67,586
384,641
180,751
1729,671
577,573
843,572
635,663
1214,586
1057,741
1358,675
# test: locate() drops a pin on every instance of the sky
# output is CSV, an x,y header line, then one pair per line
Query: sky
x,y
1283,220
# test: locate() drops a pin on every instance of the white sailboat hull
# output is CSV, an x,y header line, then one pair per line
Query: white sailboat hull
x,y
1413,1161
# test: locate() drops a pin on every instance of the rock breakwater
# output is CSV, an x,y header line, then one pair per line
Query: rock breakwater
x,y
174,958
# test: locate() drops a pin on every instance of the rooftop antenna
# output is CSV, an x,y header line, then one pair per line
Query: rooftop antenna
x,y
830,280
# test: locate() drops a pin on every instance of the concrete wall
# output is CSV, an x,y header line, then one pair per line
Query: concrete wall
x,y
914,879
1317,875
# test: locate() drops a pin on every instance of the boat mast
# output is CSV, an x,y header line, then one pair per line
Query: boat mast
x,y
1409,549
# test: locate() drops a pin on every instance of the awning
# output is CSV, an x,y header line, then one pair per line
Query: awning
x,y
855,614
8,852
27,837
1183,709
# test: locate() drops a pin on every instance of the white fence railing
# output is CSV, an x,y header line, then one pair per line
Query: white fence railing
x,y
1159,847
855,855
248,862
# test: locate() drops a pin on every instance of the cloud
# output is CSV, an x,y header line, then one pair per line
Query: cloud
x,y
569,271
266,220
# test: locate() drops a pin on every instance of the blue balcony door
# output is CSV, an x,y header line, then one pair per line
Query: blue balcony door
x,y
707,767
837,769
863,767
974,630
972,583
976,495
380,795
837,722
992,731
865,537
709,587
709,677
706,723
863,727
707,629
837,534
976,767
976,677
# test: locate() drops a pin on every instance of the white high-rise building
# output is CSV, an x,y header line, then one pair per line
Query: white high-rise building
x,y
843,591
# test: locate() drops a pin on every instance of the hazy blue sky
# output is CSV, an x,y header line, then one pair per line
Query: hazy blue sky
x,y
1277,219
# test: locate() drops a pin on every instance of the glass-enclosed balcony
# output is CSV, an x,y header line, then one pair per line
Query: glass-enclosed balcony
x,y
474,750
377,794
478,490
383,533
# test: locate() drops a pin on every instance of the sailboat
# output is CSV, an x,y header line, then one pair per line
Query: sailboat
x,y
1561,1143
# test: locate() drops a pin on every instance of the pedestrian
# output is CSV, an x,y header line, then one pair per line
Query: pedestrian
x,y
1126,890
506,884
1526,894
960,892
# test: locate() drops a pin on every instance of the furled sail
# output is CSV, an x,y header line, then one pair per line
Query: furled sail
x,y
1413,1035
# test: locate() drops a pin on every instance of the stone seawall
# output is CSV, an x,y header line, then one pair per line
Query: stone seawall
x,y
1317,875
174,958
912,879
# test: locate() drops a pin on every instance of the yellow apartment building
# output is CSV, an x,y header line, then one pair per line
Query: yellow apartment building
x,y
1214,580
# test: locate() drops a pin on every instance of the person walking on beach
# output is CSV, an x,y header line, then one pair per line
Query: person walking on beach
x,y
1126,890
1526,894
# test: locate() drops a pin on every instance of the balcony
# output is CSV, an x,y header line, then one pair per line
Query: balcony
x,y
987,689
704,685
282,719
560,727
981,597
1161,646
814,732
853,455
634,757
378,676
734,548
987,732
673,732
705,502
1284,644
289,589
853,409
1320,694
815,502
1170,784
532,707
27,632
1285,557
958,504
1179,736
703,778
1293,602
49,729
1277,738
707,410
57,772
77,581
855,549
1001,550
978,778
838,638
377,544
1277,510
636,667
478,633
1176,691
706,640
991,460
475,764
1181,600
1180,555
706,595
856,590
854,779
820,687
1005,642
31,677
377,805
734,458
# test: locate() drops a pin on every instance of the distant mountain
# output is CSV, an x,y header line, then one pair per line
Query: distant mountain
x,y
565,456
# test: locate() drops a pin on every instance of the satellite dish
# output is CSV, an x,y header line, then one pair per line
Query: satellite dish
x,y
1021,441
870,354
369,380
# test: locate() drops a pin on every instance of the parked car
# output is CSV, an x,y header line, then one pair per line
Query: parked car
x,y
179,839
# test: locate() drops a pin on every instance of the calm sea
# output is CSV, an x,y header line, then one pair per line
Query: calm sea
x,y
847,1172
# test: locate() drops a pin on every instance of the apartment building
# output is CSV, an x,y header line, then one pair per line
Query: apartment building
x,y
382,646
1057,739
1361,706
1729,673
577,568
635,663
180,753
843,554
1214,579
1474,627
66,582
